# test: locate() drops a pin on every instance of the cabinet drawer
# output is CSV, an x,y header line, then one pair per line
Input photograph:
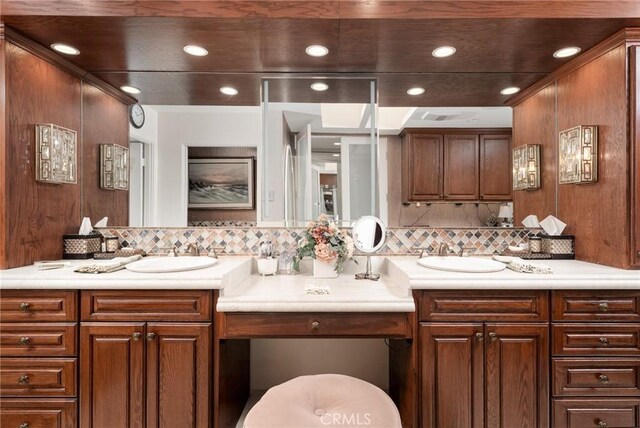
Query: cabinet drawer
x,y
146,306
596,306
484,306
596,376
246,325
38,413
33,305
596,339
48,340
38,377
596,413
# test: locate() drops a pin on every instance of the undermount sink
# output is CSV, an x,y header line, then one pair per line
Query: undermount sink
x,y
170,264
462,264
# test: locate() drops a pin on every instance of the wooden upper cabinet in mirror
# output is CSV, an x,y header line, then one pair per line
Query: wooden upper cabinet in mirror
x,y
461,167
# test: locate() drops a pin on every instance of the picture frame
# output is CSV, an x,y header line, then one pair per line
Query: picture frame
x,y
221,183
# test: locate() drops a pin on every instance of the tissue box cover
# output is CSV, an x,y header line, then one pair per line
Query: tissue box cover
x,y
81,246
559,246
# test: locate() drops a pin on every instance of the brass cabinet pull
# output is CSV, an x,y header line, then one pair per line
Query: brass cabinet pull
x,y
23,380
479,337
603,378
604,307
151,336
493,336
136,336
25,340
315,325
24,306
602,424
604,341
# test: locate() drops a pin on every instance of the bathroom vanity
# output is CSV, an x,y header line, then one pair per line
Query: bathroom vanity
x,y
469,350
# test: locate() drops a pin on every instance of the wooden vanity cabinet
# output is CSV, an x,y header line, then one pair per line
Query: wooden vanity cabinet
x,y
151,372
456,165
484,374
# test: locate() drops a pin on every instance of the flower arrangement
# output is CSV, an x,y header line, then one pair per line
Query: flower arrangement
x,y
323,241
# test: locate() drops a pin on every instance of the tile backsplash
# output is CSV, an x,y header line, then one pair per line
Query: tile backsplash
x,y
245,241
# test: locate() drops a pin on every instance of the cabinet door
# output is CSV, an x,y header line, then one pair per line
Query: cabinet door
x,y
461,174
517,375
422,167
178,361
495,167
111,375
452,375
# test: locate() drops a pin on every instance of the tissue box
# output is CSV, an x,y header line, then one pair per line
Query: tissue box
x,y
559,246
81,246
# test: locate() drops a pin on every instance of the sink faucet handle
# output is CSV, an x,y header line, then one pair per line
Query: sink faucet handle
x,y
465,251
173,250
420,250
217,251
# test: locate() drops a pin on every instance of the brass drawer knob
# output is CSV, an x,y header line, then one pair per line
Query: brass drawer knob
x,y
151,336
25,340
24,425
603,378
479,337
23,380
602,424
493,336
136,336
315,325
604,307
604,341
24,306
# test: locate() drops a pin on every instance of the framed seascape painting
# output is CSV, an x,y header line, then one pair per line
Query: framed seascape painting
x,y
225,183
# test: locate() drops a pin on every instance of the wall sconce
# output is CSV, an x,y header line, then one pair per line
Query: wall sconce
x,y
114,167
526,167
578,155
56,154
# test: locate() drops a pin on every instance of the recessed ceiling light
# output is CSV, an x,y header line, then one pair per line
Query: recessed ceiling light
x,y
415,91
566,52
316,50
443,51
510,90
195,50
319,86
337,144
228,90
65,49
336,155
130,89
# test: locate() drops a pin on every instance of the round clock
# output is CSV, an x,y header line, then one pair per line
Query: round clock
x,y
136,116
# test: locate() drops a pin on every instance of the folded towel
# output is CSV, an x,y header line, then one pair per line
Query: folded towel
x,y
315,287
114,265
520,265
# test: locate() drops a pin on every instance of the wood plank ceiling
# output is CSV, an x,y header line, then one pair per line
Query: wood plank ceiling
x,y
495,47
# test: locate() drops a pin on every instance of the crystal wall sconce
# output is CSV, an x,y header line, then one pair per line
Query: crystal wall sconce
x,y
578,155
114,167
56,154
526,167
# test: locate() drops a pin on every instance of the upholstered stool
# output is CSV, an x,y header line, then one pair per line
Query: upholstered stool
x,y
327,400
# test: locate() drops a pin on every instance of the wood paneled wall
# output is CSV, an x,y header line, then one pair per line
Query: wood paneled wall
x,y
534,122
595,93
35,215
104,121
218,214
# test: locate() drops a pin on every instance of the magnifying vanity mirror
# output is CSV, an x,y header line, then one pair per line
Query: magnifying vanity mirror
x,y
369,235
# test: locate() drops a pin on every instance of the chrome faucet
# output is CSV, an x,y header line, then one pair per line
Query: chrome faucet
x,y
193,250
443,249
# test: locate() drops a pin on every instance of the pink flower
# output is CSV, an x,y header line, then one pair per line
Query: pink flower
x,y
324,253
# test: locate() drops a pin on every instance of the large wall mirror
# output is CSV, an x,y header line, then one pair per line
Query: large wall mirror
x,y
310,145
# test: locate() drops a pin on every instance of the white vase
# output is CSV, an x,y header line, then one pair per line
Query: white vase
x,y
324,270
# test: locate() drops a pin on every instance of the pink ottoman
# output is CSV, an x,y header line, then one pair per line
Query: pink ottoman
x,y
327,400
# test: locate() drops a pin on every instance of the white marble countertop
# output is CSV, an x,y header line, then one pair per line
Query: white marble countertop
x,y
286,293
567,275
227,270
